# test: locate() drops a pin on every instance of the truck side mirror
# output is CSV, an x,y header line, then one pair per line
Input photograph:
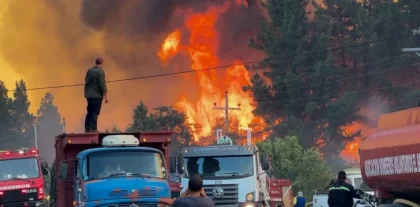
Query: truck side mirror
x,y
180,165
63,171
44,168
172,167
265,164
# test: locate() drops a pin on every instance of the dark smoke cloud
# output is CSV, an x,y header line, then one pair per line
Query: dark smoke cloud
x,y
53,42
151,20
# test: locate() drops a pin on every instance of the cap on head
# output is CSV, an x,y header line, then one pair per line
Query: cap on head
x,y
99,61
341,176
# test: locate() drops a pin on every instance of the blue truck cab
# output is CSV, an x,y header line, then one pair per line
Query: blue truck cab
x,y
117,174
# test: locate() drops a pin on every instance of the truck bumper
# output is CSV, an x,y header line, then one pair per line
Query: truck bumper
x,y
121,202
248,204
22,204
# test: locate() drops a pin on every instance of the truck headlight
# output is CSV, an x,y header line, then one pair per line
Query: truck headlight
x,y
250,196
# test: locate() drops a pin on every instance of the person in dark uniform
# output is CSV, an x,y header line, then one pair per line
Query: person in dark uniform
x,y
340,193
95,92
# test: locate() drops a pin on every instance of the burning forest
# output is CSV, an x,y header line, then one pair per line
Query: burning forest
x,y
206,46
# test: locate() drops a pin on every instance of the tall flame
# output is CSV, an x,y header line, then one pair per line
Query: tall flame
x,y
202,49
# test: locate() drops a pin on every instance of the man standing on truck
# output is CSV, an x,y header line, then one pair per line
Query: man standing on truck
x,y
194,196
341,194
95,92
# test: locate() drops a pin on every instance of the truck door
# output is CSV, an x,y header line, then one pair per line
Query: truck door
x,y
76,182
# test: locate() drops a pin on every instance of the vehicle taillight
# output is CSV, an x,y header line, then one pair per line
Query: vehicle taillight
x,y
41,193
1,193
7,153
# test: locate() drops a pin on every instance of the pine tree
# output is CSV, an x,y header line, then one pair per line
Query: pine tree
x,y
5,118
22,120
303,99
48,124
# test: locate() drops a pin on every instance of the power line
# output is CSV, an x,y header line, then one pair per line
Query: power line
x,y
343,79
335,95
344,69
214,68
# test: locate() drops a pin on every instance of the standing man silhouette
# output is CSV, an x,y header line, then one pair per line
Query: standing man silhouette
x,y
95,92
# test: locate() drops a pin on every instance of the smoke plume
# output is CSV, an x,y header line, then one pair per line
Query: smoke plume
x,y
54,42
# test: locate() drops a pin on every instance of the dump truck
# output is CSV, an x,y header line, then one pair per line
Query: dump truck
x,y
280,191
112,170
390,159
21,178
232,175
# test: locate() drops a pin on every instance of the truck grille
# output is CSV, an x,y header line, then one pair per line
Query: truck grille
x,y
13,196
138,204
230,194
141,193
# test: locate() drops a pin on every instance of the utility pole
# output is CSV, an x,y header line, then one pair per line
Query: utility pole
x,y
226,110
416,50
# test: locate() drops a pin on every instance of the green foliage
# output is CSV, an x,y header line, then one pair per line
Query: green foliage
x,y
305,168
163,118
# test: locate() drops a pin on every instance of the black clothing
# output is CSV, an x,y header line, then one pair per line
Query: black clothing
x,y
341,194
193,202
93,110
95,84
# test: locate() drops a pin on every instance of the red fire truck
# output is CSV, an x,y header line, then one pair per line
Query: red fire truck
x,y
21,178
280,191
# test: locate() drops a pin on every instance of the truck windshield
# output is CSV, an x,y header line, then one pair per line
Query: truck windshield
x,y
359,184
219,166
22,168
107,164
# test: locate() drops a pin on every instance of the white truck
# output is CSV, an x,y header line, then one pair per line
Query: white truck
x,y
233,176
354,177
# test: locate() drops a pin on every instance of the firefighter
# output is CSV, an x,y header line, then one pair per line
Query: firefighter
x,y
341,194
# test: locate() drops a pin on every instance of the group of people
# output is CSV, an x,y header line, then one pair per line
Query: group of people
x,y
340,193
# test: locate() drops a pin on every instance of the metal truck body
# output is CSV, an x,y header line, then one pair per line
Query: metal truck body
x,y
112,170
280,191
390,158
232,175
21,178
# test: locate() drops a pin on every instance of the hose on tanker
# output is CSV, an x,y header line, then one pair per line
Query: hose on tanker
x,y
406,202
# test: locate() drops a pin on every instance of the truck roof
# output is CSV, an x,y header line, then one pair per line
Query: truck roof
x,y
104,149
218,150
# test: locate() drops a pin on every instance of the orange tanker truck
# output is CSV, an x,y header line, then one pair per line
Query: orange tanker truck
x,y
390,159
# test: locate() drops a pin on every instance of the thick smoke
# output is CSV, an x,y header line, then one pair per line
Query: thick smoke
x,y
54,42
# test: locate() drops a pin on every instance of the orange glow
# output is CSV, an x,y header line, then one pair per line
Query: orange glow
x,y
351,150
202,49
169,46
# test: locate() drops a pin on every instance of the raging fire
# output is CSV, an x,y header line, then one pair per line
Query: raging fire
x,y
202,49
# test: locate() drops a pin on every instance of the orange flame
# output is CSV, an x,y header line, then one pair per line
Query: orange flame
x,y
170,46
351,150
202,49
